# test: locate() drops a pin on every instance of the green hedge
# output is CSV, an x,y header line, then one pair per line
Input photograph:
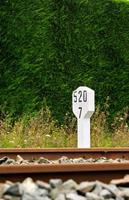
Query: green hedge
x,y
49,48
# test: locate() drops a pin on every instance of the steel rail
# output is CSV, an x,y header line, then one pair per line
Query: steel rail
x,y
79,172
55,153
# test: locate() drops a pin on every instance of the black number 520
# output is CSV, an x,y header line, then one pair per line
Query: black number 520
x,y
80,96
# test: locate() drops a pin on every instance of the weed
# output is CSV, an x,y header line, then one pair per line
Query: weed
x,y
41,131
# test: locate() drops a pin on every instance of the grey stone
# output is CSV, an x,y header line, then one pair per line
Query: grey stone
x,y
64,159
9,183
19,158
106,194
121,182
121,198
124,192
111,199
28,186
41,192
111,188
9,161
24,162
60,196
56,191
55,183
78,160
8,197
74,196
97,189
92,196
102,160
42,184
46,198
13,190
86,187
61,190
89,160
7,186
28,196
3,160
43,160
70,184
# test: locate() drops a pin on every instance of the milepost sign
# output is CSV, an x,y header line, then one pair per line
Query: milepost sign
x,y
83,105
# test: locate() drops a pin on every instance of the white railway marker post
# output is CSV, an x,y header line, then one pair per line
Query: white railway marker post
x,y
83,105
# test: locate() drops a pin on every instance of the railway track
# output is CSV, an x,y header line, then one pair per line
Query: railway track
x,y
79,172
55,153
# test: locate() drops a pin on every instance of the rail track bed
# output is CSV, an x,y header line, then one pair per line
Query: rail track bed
x,y
104,171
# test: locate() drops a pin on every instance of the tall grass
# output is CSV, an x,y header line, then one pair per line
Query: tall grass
x,y
42,131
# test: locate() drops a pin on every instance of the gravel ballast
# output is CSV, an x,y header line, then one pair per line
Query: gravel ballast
x,y
62,160
56,189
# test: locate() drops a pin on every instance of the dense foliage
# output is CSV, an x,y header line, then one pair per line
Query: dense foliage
x,y
49,48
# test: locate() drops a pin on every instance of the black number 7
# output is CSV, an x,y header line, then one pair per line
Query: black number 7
x,y
80,108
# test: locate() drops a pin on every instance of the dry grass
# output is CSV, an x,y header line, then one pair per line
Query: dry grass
x,y
102,136
120,135
42,131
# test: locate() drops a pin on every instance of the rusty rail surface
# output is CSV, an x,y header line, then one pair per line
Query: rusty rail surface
x,y
79,172
55,153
